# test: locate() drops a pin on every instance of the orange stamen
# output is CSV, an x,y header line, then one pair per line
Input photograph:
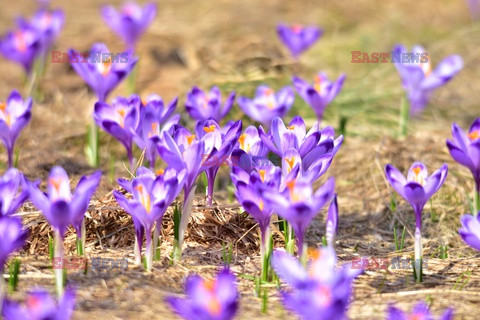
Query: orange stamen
x,y
20,41
262,174
190,139
297,28
290,161
123,113
474,135
241,140
210,128
292,127
160,172
56,183
3,108
318,84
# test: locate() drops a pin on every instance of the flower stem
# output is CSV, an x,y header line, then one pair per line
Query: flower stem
x,y
476,198
58,271
149,250
10,157
186,212
2,288
156,234
92,149
265,250
404,115
418,255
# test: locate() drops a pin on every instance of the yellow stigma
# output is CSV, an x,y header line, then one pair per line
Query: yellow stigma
x,y
426,67
270,94
105,67
262,174
210,128
56,183
241,140
6,114
474,135
122,113
213,305
154,130
418,178
292,127
190,139
261,205
290,161
295,197
160,172
318,84
144,198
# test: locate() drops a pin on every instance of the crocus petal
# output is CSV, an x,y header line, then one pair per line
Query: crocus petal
x,y
289,269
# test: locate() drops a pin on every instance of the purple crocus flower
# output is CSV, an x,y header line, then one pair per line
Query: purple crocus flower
x,y
151,197
202,106
310,171
321,291
120,119
470,230
321,93
267,104
465,149
22,46
250,186
417,189
218,146
215,299
250,142
40,305
298,204
420,311
332,221
102,71
418,78
310,145
12,236
59,205
48,23
130,22
14,116
298,38
12,197
154,119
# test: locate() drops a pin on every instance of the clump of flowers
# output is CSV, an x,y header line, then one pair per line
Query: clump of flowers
x,y
419,311
203,106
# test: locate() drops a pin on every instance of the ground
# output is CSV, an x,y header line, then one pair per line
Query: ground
x,y
233,44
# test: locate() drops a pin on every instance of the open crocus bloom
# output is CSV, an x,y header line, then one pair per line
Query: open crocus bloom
x,y
310,145
40,305
465,149
130,22
321,93
470,230
202,106
154,119
59,205
101,71
22,46
419,79
15,113
267,104
215,299
310,171
418,187
298,204
12,236
298,38
13,191
319,292
120,119
420,311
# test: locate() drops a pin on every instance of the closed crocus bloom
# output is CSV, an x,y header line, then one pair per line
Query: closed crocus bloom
x,y
218,148
202,106
101,70
22,46
321,93
267,104
417,189
309,171
310,145
151,197
49,24
215,299
299,204
39,305
15,113
130,22
321,291
120,119
419,79
250,142
12,236
420,311
13,191
470,230
154,119
298,38
465,149
332,221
